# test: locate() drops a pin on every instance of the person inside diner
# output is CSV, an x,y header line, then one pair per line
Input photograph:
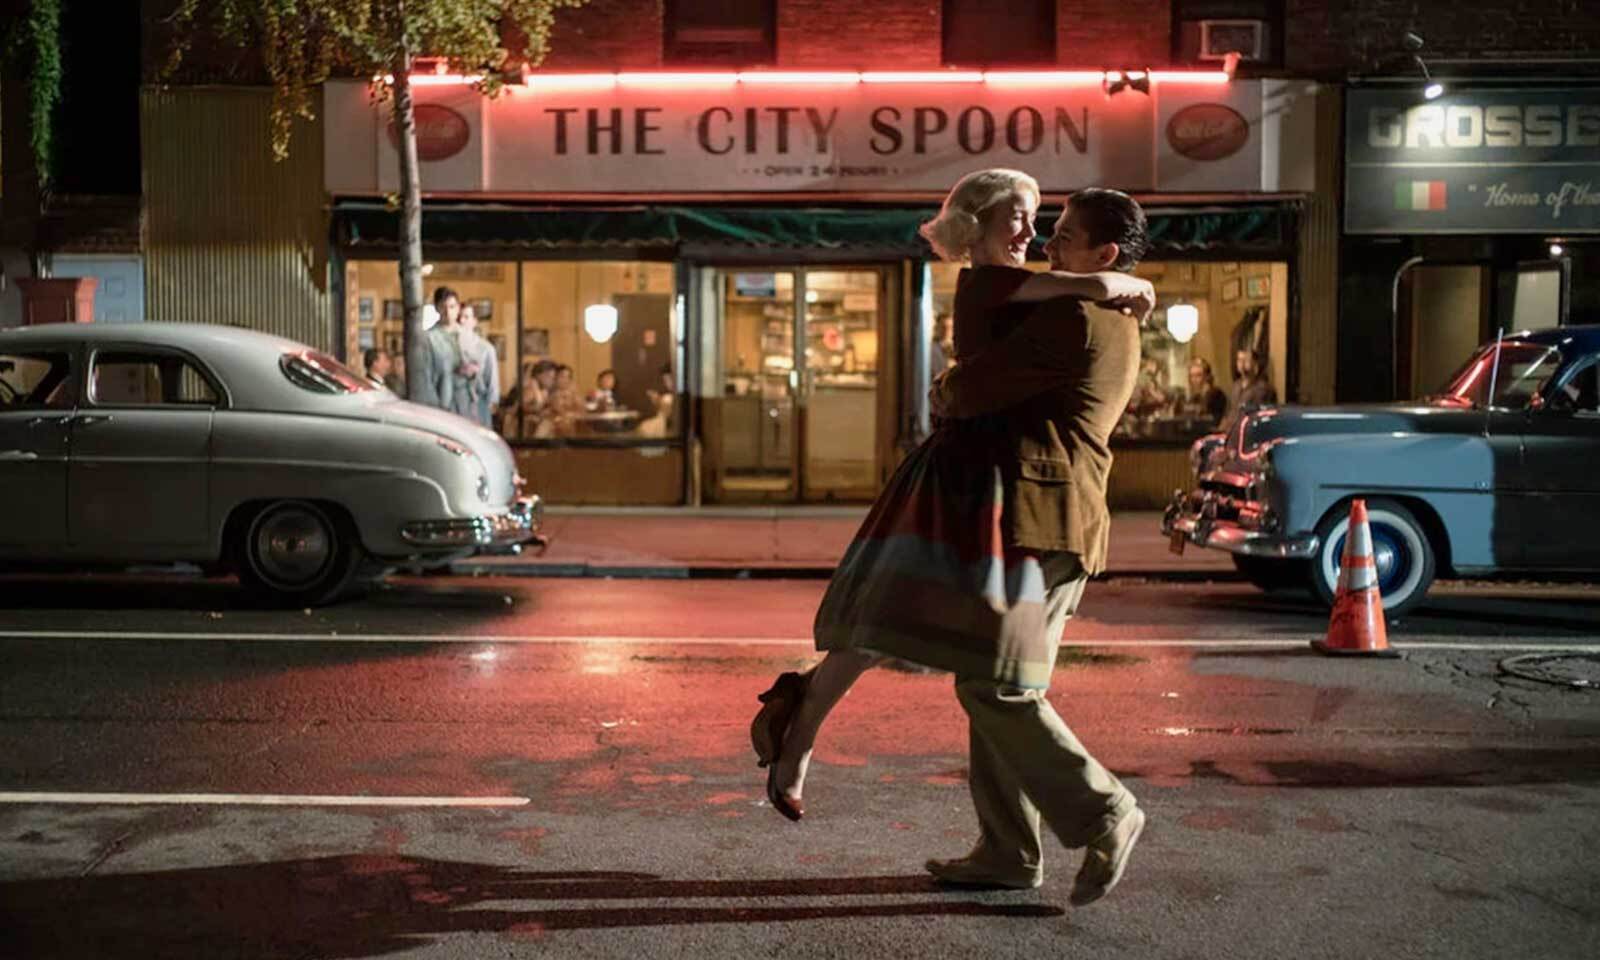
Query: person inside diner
x,y
534,399
1251,388
604,397
566,403
1205,400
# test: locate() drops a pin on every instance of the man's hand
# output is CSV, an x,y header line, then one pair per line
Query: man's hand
x,y
1130,295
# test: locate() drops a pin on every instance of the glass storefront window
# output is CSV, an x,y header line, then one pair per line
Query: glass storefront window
x,y
580,349
600,352
1190,381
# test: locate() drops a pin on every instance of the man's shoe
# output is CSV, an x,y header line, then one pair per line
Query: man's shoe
x,y
1106,858
973,874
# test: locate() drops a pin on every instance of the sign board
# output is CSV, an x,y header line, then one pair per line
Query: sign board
x,y
854,138
1474,161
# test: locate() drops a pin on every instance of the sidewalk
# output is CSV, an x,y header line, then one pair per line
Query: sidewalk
x,y
683,542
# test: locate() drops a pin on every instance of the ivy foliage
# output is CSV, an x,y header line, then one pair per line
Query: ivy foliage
x,y
38,43
302,42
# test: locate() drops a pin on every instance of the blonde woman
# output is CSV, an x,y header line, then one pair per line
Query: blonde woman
x,y
940,495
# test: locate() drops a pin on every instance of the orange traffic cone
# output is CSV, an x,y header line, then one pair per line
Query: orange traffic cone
x,y
1356,626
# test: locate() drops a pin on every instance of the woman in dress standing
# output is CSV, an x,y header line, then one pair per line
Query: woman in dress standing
x,y
927,554
477,377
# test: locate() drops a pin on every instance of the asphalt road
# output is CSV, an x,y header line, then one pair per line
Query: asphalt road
x,y
471,768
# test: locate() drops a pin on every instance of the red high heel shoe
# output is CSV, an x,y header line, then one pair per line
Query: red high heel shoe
x,y
771,722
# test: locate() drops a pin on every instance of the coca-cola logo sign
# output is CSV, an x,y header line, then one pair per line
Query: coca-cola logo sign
x,y
441,132
1208,132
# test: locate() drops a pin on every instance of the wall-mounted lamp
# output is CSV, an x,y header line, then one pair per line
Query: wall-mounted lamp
x,y
1431,88
600,322
1183,321
1556,249
1117,81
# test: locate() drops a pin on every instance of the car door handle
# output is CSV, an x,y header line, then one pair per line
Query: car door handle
x,y
17,456
89,419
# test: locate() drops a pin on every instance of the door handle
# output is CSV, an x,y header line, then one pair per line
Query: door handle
x,y
17,456
89,419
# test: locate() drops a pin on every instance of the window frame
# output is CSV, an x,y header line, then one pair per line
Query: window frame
x,y
989,59
91,363
678,53
1273,51
71,355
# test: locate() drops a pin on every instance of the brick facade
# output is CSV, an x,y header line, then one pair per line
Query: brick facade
x,y
875,35
1326,39
1334,40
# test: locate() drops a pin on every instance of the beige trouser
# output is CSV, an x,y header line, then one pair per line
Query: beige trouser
x,y
1026,763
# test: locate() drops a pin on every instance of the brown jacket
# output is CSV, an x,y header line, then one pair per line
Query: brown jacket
x,y
1061,381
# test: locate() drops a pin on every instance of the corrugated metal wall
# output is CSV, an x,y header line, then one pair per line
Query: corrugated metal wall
x,y
1317,343
231,235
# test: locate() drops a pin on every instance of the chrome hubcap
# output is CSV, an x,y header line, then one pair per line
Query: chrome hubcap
x,y
1383,557
292,545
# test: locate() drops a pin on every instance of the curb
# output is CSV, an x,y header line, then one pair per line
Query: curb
x,y
569,571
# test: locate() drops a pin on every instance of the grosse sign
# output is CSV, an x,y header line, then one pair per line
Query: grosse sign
x,y
1473,161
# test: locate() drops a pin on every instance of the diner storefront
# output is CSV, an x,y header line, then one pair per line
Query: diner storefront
x,y
742,257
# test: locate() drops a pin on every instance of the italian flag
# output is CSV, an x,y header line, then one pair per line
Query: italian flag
x,y
1419,195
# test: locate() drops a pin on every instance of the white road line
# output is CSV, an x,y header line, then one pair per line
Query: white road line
x,y
460,638
257,800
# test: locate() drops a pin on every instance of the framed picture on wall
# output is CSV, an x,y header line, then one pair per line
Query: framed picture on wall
x,y
364,311
535,343
1232,288
396,345
394,310
484,308
1258,288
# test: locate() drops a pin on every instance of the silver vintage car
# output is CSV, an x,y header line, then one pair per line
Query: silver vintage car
x,y
1498,473
230,448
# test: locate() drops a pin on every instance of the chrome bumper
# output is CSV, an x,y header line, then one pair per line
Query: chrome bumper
x,y
1198,524
496,533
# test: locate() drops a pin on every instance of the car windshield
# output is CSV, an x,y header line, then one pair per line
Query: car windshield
x,y
316,371
1523,370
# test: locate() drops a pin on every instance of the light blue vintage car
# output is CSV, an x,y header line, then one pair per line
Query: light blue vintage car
x,y
1456,485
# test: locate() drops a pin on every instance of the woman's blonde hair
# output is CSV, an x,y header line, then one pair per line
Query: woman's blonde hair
x,y
959,224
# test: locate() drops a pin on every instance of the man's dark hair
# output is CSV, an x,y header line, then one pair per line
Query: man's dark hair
x,y
1111,216
440,295
371,357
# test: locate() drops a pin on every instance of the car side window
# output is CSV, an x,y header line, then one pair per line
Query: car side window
x,y
37,381
1581,392
128,379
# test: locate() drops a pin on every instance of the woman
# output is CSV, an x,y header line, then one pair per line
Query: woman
x,y
1205,400
939,505
476,384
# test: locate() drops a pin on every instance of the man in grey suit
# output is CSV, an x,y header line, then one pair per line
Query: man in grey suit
x,y
1060,382
433,382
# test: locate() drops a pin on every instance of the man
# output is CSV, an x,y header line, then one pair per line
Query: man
x,y
432,381
380,369
1250,385
1062,381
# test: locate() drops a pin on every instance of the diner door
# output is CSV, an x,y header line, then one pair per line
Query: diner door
x,y
796,384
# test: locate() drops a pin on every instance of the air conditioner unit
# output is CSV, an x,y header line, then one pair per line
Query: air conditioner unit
x,y
1218,38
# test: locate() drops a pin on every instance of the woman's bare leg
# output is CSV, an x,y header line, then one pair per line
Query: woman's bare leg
x,y
826,685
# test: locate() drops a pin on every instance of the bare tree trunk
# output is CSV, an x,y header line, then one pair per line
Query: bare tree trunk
x,y
418,360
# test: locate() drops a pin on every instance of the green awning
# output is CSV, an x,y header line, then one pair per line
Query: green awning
x,y
1246,230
